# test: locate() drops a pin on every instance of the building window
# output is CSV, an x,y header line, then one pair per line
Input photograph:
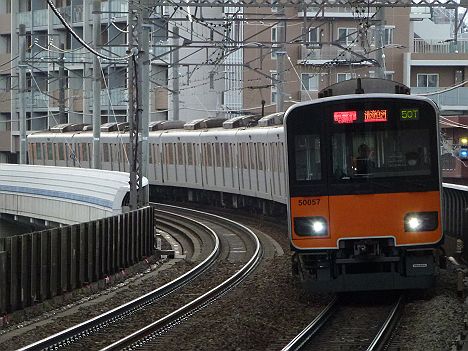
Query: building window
x,y
387,75
427,80
274,77
388,36
313,37
340,77
309,81
274,39
347,36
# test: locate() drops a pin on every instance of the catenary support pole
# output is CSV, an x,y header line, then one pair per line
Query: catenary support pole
x,y
96,86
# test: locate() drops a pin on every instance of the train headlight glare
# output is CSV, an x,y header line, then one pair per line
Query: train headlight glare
x,y
311,226
421,221
318,227
414,223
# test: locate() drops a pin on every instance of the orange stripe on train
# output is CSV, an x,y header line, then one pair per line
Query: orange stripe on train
x,y
371,215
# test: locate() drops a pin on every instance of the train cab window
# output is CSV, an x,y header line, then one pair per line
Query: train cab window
x,y
308,162
381,153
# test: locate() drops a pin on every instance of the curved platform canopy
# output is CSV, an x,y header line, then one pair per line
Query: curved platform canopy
x,y
62,194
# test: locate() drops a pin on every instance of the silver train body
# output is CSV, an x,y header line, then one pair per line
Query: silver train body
x,y
239,161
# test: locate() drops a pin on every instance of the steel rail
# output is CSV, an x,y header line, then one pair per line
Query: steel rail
x,y
76,332
300,339
152,330
388,327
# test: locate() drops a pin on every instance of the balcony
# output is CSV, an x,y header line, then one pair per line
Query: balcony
x,y
452,100
117,97
24,18
40,18
5,23
39,100
339,12
5,62
422,46
5,103
5,140
318,54
119,9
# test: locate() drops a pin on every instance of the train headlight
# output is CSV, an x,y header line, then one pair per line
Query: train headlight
x,y
311,226
421,221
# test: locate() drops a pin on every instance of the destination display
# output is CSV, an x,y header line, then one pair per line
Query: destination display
x,y
365,116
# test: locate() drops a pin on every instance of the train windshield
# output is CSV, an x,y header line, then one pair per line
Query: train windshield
x,y
380,153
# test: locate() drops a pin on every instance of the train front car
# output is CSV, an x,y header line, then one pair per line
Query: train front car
x,y
364,187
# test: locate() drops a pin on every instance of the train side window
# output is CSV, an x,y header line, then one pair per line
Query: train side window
x,y
50,151
274,157
38,151
209,155
180,154
105,152
260,156
170,154
245,157
281,158
150,154
84,151
61,152
252,155
227,155
189,154
218,154
307,152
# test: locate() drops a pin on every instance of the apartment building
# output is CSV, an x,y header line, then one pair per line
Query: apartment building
x,y
59,71
422,47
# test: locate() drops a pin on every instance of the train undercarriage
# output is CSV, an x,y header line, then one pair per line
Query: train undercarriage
x,y
366,264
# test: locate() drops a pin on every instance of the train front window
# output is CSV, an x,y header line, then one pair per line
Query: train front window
x,y
307,154
380,153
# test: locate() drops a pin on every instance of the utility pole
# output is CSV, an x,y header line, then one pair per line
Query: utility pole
x,y
175,74
143,82
280,54
135,103
88,6
62,116
22,90
379,42
96,85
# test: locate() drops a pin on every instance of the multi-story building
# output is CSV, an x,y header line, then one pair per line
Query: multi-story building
x,y
422,47
59,71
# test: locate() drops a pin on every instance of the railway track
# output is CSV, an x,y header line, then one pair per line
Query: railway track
x,y
112,325
345,324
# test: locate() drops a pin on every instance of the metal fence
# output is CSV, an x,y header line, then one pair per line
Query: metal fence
x,y
40,265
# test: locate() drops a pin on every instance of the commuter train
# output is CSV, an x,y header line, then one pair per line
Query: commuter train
x,y
358,173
